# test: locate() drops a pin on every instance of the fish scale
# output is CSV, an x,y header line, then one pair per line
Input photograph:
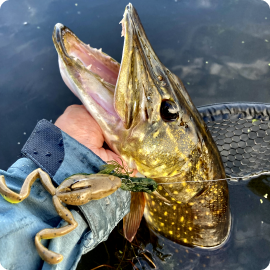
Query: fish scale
x,y
195,223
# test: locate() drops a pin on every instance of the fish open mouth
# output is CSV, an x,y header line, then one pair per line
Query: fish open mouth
x,y
87,71
90,58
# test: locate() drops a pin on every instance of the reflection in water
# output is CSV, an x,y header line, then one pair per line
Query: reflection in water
x,y
169,255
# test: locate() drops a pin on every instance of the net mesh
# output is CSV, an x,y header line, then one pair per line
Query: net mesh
x,y
242,134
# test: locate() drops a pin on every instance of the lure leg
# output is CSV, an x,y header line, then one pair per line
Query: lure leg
x,y
14,197
46,254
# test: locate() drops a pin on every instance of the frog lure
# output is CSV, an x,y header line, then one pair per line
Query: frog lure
x,y
77,189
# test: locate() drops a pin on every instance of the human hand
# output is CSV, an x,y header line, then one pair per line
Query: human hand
x,y
80,125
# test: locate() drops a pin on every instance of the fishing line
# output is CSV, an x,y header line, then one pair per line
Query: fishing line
x,y
213,180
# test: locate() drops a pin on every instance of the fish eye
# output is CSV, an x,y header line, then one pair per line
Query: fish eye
x,y
169,111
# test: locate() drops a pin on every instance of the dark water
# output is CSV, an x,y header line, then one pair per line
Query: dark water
x,y
220,49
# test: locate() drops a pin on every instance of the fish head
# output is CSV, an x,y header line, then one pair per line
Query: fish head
x,y
146,115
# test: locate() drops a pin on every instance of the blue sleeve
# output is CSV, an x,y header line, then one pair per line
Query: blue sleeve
x,y
60,156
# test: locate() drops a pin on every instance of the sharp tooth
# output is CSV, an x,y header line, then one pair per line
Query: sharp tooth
x,y
75,58
100,49
89,67
102,80
88,45
121,21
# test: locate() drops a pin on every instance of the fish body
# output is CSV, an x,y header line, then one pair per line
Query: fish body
x,y
148,118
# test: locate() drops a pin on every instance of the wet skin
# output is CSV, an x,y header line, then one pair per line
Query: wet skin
x,y
76,190
148,118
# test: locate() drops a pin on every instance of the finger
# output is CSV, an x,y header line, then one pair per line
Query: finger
x,y
79,124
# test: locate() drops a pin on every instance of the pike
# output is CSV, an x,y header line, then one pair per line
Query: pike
x,y
149,120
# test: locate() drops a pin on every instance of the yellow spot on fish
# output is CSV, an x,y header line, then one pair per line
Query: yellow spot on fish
x,y
152,197
165,213
170,232
166,194
182,219
155,210
190,228
195,217
202,201
207,213
184,184
160,203
155,134
173,199
153,203
185,240
151,213
159,229
191,203
160,187
174,207
150,218
161,224
170,185
156,161
175,192
179,202
261,200
172,223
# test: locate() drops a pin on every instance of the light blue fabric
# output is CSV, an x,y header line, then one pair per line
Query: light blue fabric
x,y
19,223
